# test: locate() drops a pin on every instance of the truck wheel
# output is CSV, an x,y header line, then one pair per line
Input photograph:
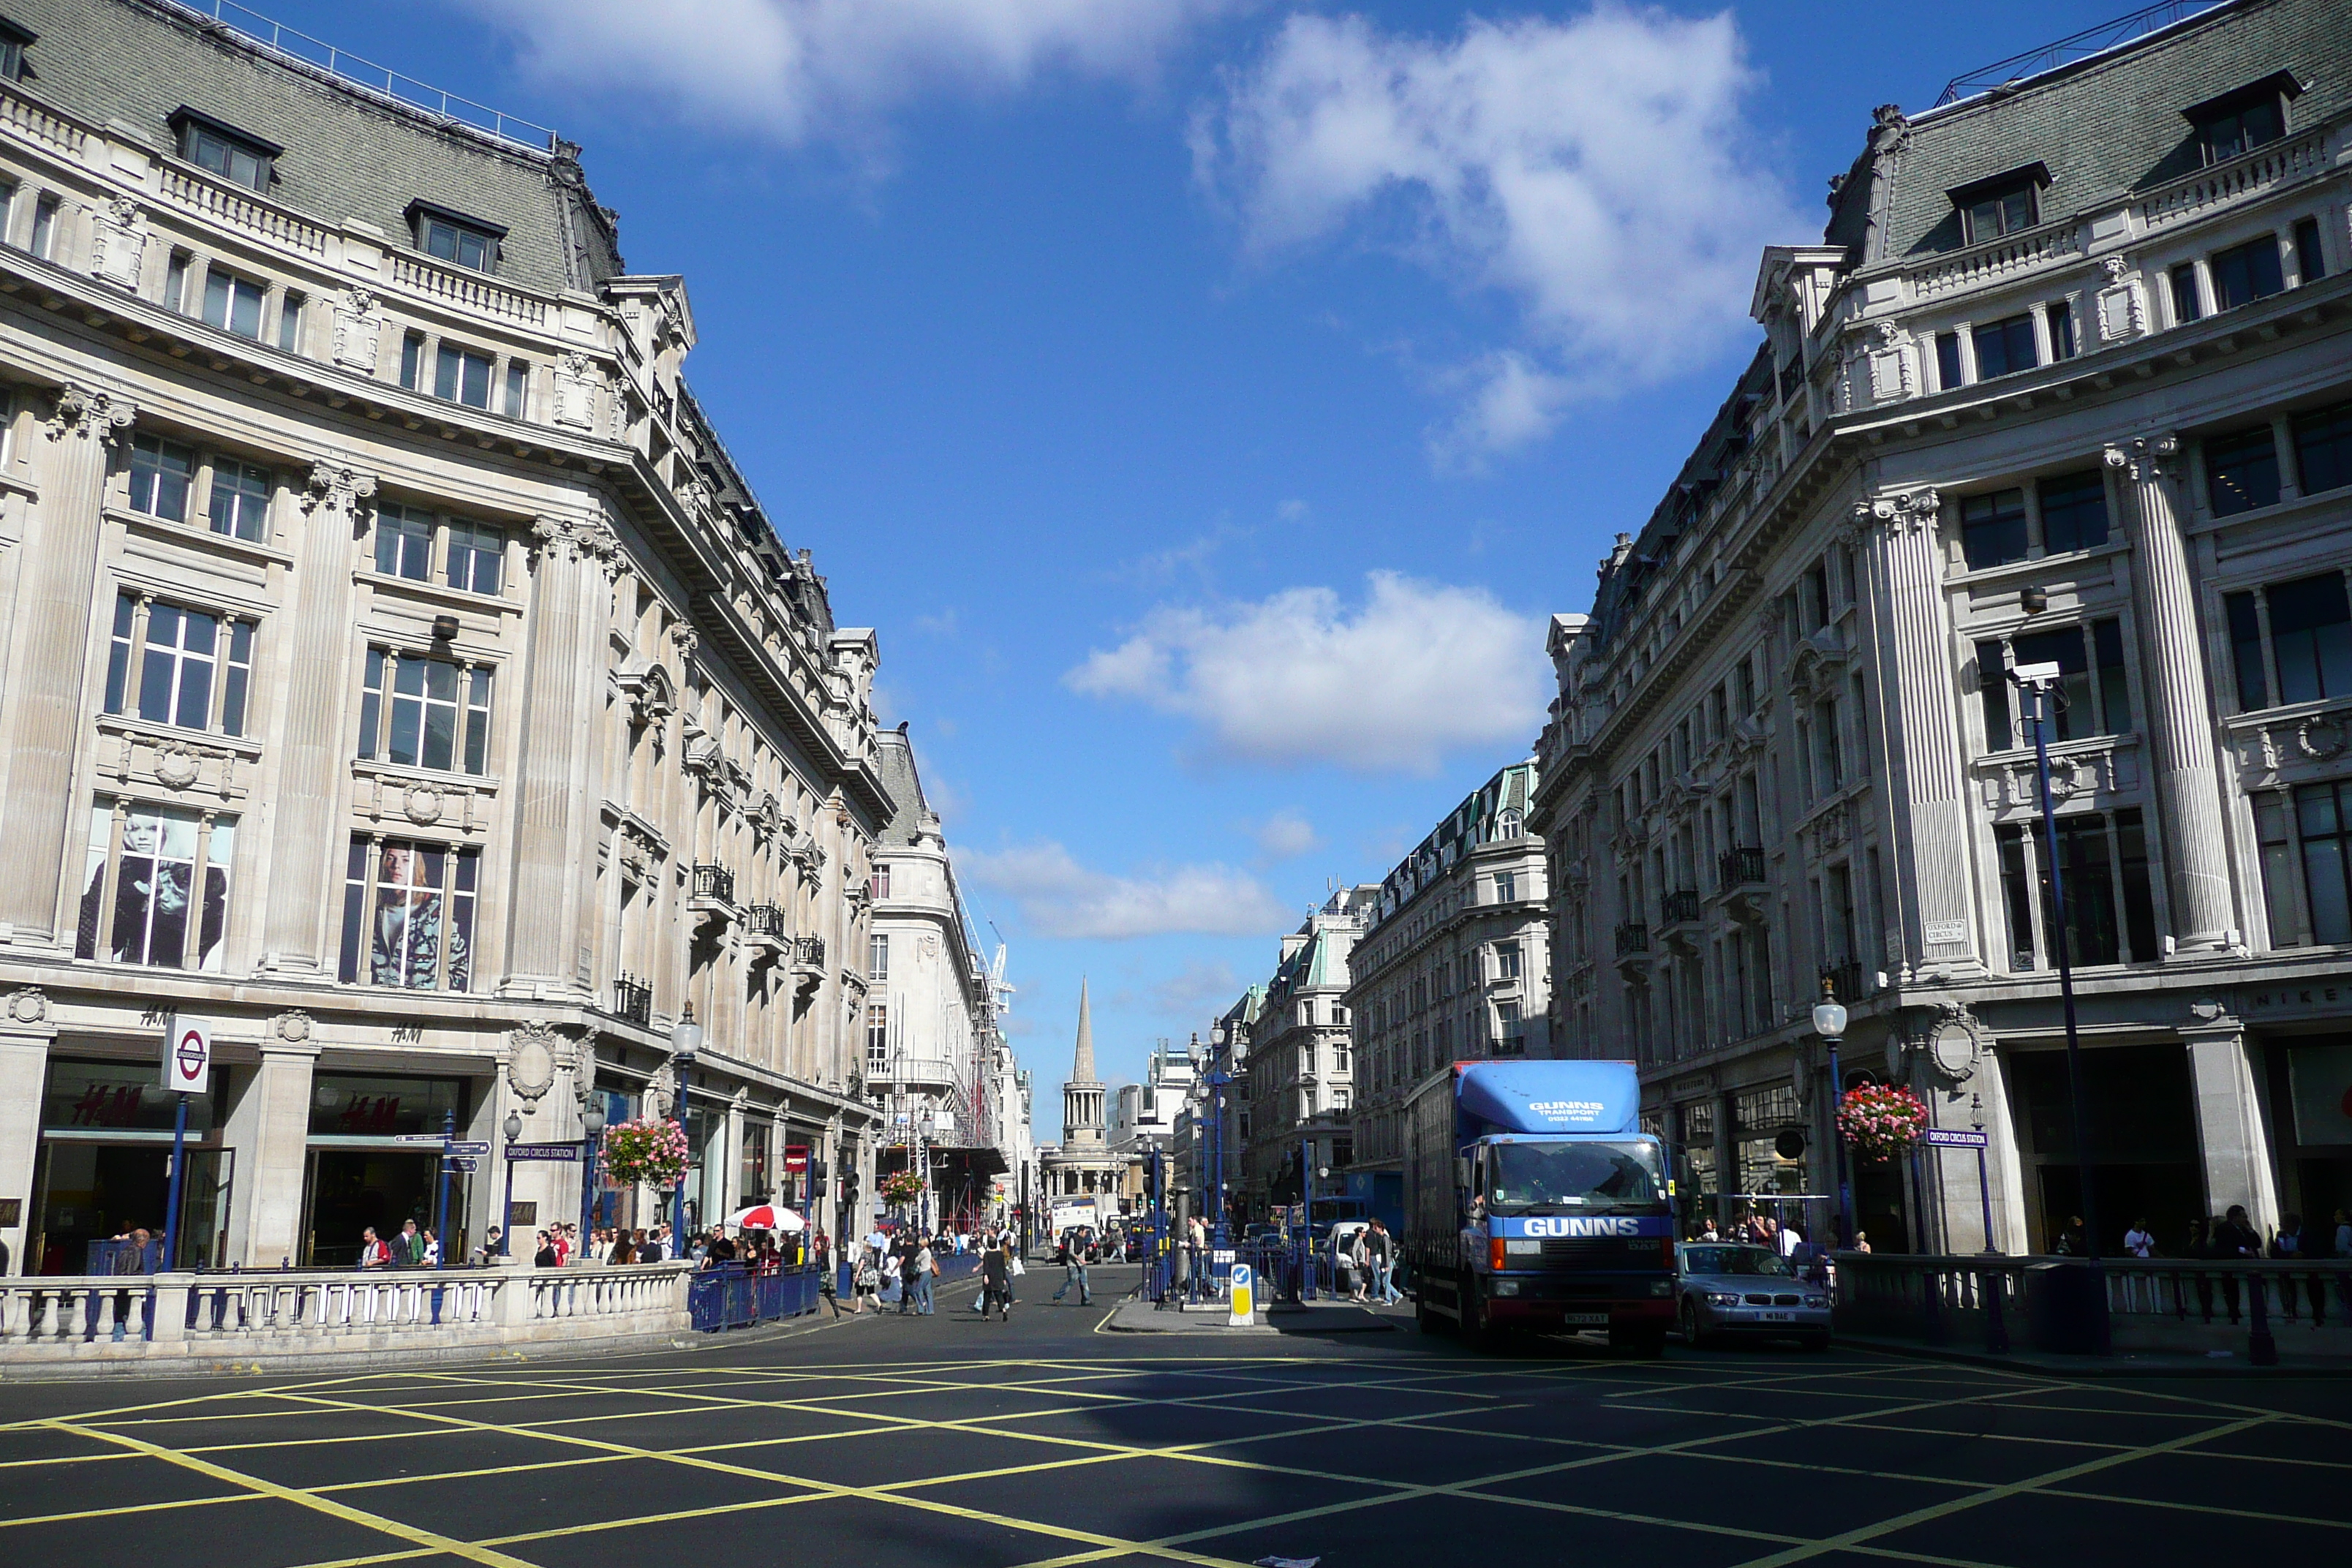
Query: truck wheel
x,y
1427,1322
1643,1344
1692,1335
1477,1333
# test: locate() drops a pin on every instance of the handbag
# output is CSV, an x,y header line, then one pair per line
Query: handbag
x,y
1018,1270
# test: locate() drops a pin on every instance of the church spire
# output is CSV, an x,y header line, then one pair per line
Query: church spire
x,y
1082,1070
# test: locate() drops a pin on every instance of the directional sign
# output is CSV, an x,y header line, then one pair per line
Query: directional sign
x,y
464,1163
542,1150
1244,1302
188,1058
1953,1138
457,1148
418,1138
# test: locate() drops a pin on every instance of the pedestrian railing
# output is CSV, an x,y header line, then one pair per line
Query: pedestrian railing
x,y
297,1313
737,1296
2067,1304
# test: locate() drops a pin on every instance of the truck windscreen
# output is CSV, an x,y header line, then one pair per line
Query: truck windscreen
x,y
1574,1178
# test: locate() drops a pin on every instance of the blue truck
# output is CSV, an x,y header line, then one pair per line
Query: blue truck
x,y
1535,1203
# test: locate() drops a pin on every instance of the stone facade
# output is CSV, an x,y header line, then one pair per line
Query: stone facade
x,y
2067,381
1455,962
1301,1079
398,675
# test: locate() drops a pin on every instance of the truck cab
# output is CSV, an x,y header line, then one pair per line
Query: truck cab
x,y
1540,1205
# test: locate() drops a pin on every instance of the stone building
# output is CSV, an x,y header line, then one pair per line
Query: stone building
x,y
2068,380
1301,1080
1455,962
1213,1126
930,1009
1081,1169
399,676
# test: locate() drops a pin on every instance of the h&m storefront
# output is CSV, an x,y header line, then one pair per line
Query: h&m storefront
x,y
104,1166
359,1173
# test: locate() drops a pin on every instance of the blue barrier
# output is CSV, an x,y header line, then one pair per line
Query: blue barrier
x,y
733,1296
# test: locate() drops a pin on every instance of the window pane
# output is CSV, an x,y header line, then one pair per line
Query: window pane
x,y
236,675
101,839
441,239
461,920
118,657
2246,273
2186,305
446,372
2139,905
354,911
2062,329
2323,448
2278,875
2015,895
476,392
2115,687
2323,871
2241,471
2091,933
1947,361
1993,528
371,704
2308,259
2073,510
245,309
477,723
216,298
2312,638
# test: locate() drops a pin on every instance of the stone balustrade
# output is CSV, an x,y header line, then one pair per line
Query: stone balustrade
x,y
244,1316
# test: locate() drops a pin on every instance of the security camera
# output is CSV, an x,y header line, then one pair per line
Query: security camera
x,y
2043,674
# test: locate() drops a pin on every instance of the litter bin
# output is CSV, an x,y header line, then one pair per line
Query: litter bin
x,y
2067,1308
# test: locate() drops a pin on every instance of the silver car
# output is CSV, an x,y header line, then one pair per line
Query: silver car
x,y
1750,1292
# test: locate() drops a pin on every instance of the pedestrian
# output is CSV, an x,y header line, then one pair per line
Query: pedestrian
x,y
432,1251
409,1250
2070,1241
926,1269
488,1250
720,1249
373,1253
1789,1239
1381,1246
2138,1240
562,1237
865,1282
2286,1246
544,1257
648,1247
1862,1241
625,1247
996,1279
130,1258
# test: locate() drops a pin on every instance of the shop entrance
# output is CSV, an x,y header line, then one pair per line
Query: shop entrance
x,y
2311,1081
89,1191
2142,1119
351,1189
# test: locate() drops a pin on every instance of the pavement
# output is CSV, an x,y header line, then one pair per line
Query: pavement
x,y
1049,1441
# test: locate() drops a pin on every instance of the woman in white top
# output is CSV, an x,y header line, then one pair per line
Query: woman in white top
x,y
2137,1241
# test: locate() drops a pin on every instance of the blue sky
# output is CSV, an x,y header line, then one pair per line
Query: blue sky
x,y
1207,400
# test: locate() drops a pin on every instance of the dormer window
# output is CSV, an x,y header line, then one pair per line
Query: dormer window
x,y
2242,121
13,41
2005,204
454,238
226,150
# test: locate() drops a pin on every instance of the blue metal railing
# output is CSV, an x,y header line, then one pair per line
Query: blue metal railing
x,y
736,1296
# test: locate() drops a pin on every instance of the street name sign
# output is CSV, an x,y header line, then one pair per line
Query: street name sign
x,y
1953,1138
465,1163
539,1151
473,1148
418,1138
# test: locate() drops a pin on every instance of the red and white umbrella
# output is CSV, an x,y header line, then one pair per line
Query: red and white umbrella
x,y
768,1217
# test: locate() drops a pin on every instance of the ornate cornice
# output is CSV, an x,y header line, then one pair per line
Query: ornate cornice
x,y
570,539
78,410
336,484
2146,457
1908,511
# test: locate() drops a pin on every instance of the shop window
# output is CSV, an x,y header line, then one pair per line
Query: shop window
x,y
156,885
350,1105
408,915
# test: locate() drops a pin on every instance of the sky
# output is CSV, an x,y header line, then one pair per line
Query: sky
x,y
1207,401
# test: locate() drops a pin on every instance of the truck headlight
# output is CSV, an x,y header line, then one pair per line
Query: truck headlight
x,y
1523,1247
1661,1286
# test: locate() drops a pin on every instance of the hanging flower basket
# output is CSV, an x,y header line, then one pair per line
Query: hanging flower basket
x,y
1880,1120
649,1151
902,1186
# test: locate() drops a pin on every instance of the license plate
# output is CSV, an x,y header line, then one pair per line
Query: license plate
x,y
1586,1320
1776,1316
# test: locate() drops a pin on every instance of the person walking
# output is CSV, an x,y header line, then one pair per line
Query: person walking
x,y
2138,1240
996,1279
431,1250
905,1263
926,1269
544,1257
409,1250
865,1283
1379,1250
130,1258
624,1248
373,1253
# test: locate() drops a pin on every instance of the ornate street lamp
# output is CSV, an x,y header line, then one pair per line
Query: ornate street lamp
x,y
1829,1021
591,1127
513,1130
685,1042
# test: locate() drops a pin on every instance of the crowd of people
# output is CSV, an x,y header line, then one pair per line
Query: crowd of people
x,y
900,1270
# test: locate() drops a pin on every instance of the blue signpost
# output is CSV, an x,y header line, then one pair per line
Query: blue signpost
x,y
441,1205
187,1070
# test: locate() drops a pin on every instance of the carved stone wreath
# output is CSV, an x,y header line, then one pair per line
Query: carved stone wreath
x,y
530,1060
2320,737
1953,1043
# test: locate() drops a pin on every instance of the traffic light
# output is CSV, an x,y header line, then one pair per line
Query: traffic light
x,y
817,1177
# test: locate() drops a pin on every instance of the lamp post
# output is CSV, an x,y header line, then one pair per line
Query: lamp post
x,y
513,1130
441,1209
2038,679
1829,1021
1219,1079
685,1040
1984,1180
591,1127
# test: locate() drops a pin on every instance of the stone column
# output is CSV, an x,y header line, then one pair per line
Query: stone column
x,y
556,774
44,713
2181,717
1927,803
316,646
26,1031
270,1132
2231,1139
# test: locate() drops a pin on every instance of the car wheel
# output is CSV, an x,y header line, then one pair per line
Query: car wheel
x,y
1692,1335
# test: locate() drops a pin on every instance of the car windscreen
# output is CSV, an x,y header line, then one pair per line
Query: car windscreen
x,y
1735,1260
1574,1178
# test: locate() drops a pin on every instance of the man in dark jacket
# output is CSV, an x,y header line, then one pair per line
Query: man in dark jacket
x,y
996,1279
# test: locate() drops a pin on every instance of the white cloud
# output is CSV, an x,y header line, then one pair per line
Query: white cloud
x,y
1418,670
1058,897
818,69
1596,170
1196,990
1285,835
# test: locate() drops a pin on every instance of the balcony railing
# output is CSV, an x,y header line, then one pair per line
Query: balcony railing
x,y
809,951
714,882
1510,1046
1678,906
1633,939
633,999
1739,866
764,920
1845,980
